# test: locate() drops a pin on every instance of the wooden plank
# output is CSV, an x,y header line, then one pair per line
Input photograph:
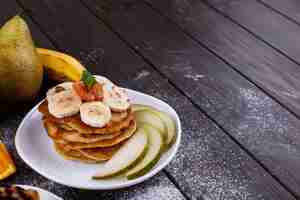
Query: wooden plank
x,y
263,65
209,164
248,114
289,8
272,27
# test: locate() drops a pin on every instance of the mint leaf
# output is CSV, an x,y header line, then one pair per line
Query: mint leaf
x,y
88,79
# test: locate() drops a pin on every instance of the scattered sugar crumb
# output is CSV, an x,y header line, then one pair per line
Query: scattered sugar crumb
x,y
195,77
290,94
94,56
142,74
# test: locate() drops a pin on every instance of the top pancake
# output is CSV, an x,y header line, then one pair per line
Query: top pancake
x,y
118,122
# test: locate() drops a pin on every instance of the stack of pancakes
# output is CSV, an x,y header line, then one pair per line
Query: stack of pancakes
x,y
76,140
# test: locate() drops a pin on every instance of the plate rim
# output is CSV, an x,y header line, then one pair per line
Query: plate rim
x,y
40,190
119,185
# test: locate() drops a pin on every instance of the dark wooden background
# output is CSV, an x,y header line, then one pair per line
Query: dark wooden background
x,y
231,68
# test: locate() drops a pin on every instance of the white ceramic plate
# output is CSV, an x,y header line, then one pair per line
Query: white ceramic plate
x,y
35,148
44,195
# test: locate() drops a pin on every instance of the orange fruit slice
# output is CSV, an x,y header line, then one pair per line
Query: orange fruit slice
x,y
60,66
7,166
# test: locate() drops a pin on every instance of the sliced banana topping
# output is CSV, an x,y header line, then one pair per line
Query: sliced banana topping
x,y
59,88
95,114
64,103
116,98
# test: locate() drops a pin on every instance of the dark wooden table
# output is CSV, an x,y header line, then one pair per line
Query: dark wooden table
x,y
231,68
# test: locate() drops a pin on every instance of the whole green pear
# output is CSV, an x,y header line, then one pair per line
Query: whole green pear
x,y
21,71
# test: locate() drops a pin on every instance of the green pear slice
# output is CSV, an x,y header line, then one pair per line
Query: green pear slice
x,y
167,120
139,107
147,116
169,124
126,157
152,156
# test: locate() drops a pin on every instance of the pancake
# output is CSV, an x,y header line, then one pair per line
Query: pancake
x,y
73,155
118,116
100,154
56,132
75,140
66,127
51,128
126,133
89,155
110,128
72,136
74,122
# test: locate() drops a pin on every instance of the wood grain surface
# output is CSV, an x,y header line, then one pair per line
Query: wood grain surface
x,y
201,170
254,59
288,8
229,68
273,28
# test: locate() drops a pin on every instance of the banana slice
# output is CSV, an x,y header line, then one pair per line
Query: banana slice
x,y
107,84
95,114
64,104
116,98
60,87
